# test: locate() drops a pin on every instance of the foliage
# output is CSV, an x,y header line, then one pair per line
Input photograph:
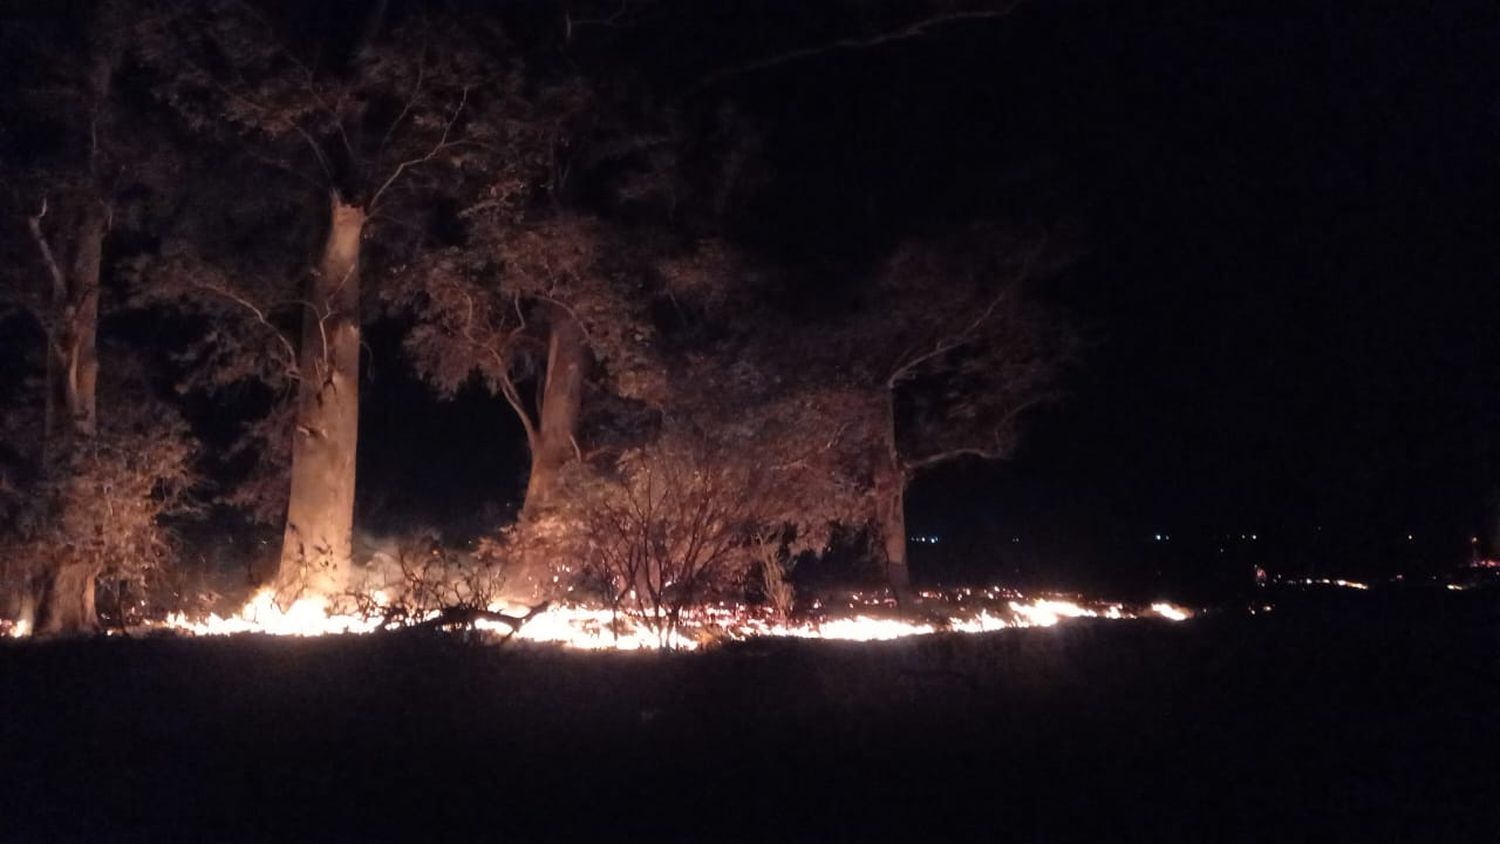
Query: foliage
x,y
483,309
671,527
775,573
106,502
371,119
967,346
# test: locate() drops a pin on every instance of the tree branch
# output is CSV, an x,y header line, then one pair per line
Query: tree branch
x,y
59,281
441,145
996,452
570,23
406,107
955,340
260,316
912,30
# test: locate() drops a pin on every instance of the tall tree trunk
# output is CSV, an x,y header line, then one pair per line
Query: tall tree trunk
x,y
890,511
72,355
890,504
316,547
562,397
65,598
64,588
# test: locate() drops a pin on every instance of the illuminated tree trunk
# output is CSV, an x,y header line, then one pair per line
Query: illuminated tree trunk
x,y
65,598
890,504
64,588
316,547
73,324
890,507
562,396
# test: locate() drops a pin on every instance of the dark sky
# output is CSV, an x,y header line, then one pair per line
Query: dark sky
x,y
1287,214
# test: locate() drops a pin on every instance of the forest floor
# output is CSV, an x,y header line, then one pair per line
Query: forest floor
x,y
1374,719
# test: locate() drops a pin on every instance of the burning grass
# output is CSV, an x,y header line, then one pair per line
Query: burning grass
x,y
854,616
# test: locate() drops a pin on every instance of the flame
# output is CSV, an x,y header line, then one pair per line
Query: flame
x,y
595,629
1168,611
308,616
858,617
1045,613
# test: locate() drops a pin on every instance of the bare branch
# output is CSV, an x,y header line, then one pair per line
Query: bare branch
x,y
570,23
317,151
59,281
955,340
915,29
441,145
416,90
995,452
260,316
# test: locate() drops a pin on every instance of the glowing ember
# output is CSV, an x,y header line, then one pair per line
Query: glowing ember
x,y
1324,581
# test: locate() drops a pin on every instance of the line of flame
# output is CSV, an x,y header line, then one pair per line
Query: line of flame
x,y
594,628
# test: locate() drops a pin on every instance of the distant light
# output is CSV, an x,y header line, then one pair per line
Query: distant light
x,y
1408,537
1158,537
1253,536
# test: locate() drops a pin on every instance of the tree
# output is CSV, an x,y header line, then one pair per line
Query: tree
x,y
537,289
952,348
549,300
66,176
377,115
936,358
96,513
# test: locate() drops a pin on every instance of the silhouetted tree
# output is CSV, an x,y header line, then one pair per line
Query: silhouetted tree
x,y
954,347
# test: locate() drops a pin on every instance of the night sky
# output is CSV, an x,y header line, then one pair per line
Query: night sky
x,y
1282,217
1285,262
1286,215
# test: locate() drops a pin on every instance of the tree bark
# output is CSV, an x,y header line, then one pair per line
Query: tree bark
x,y
72,355
64,588
316,547
890,504
65,598
562,398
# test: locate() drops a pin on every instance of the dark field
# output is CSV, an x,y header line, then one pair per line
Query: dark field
x,y
1374,719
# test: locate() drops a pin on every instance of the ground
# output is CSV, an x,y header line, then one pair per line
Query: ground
x,y
1374,719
